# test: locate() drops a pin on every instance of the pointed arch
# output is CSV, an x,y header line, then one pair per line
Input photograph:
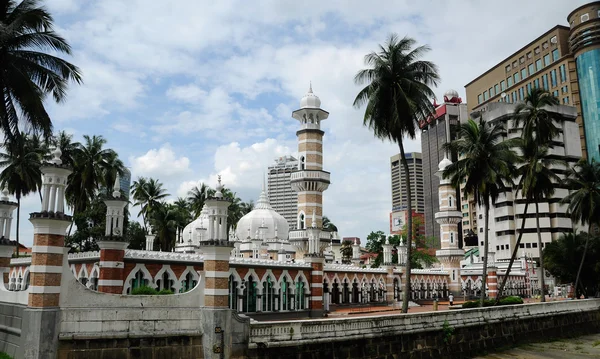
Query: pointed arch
x,y
138,277
160,279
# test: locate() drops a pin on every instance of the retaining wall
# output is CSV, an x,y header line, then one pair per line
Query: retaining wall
x,y
11,316
469,332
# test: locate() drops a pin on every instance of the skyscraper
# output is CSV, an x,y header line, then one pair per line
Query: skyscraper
x,y
399,198
436,131
283,198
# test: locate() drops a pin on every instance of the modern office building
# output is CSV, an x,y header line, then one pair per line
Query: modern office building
x,y
584,45
124,183
506,216
415,171
436,131
565,60
282,197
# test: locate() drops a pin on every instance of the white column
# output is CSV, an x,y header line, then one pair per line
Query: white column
x,y
60,200
52,198
2,231
46,197
223,227
8,226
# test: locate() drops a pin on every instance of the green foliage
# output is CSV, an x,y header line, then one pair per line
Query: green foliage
x,y
135,235
144,290
511,300
447,331
5,356
561,255
91,226
165,292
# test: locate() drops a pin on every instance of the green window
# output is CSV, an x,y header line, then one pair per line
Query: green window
x,y
545,82
502,85
509,81
553,81
496,89
563,73
479,99
517,77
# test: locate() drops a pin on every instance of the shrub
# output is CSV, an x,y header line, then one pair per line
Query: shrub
x,y
145,290
4,356
510,300
165,292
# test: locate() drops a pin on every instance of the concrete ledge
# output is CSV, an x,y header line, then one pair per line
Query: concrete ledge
x,y
118,335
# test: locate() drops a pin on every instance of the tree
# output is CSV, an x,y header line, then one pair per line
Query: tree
x,y
536,180
27,73
485,167
397,96
148,194
584,199
21,172
64,142
91,226
197,197
93,167
135,235
419,257
328,225
346,251
163,220
184,215
559,256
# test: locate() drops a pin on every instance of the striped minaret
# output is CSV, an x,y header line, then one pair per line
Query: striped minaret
x,y
492,277
216,249
309,180
7,247
49,229
113,245
448,217
389,266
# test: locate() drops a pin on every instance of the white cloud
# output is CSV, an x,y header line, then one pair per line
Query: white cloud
x,y
163,163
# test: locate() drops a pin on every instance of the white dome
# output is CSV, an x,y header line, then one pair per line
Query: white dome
x,y
310,100
450,94
194,229
444,164
264,221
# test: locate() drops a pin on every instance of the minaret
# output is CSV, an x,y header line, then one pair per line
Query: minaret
x,y
113,245
448,218
309,181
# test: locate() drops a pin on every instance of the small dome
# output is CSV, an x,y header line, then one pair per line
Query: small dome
x,y
444,164
451,96
195,228
264,220
310,100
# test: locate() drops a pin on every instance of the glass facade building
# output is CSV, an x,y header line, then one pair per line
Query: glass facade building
x,y
588,72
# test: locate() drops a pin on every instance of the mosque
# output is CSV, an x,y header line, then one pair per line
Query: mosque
x,y
260,268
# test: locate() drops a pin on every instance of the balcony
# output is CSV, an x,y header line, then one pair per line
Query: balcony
x,y
308,180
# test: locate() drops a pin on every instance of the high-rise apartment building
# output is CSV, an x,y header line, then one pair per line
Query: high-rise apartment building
x,y
283,198
436,131
506,216
415,171
565,61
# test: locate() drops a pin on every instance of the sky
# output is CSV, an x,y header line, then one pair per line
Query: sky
x,y
187,90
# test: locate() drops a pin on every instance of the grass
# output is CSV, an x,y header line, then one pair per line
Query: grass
x,y
4,356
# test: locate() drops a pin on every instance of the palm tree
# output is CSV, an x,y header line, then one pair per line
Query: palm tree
x,y
184,215
538,130
163,219
93,165
196,197
397,96
485,167
148,194
246,207
328,225
235,211
28,75
21,172
64,142
584,199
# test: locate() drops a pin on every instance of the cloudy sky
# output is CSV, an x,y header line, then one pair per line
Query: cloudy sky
x,y
185,90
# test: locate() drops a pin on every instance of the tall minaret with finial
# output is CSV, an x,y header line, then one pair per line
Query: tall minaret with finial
x,y
309,180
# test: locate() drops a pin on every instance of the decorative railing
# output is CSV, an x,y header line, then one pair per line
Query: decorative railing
x,y
267,262
163,256
85,255
310,175
330,267
21,261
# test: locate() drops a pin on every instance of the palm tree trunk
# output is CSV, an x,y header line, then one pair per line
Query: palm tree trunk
x,y
409,229
486,248
587,241
539,235
18,221
514,254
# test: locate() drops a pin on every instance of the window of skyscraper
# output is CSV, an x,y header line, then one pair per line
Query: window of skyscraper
x,y
522,60
546,60
491,90
485,96
536,83
528,88
479,98
585,17
538,65
566,100
545,45
563,72
502,85
523,74
529,55
536,50
555,55
545,81
521,94
496,89
509,81
530,68
507,68
555,93
553,81
514,96
564,89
